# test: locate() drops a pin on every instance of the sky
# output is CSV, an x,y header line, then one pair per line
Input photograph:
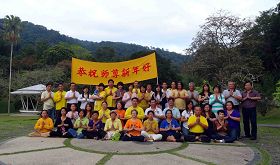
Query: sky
x,y
167,24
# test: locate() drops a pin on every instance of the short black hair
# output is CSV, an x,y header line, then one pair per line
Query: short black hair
x,y
151,112
120,83
95,112
135,111
217,86
152,99
220,111
101,84
171,99
169,110
134,98
72,83
49,83
110,80
248,82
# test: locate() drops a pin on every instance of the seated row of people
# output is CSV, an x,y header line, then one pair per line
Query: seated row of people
x,y
197,125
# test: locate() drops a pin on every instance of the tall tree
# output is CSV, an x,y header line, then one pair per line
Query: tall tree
x,y
216,51
12,27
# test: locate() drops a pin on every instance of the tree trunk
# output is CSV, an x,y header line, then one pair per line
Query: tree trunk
x,y
10,78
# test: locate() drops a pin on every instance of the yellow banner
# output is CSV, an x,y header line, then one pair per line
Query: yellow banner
x,y
93,73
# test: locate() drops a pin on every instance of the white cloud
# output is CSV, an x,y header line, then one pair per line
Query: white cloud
x,y
166,24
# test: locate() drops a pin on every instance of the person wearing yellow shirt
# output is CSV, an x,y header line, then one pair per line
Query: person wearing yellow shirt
x,y
180,95
144,98
136,89
59,99
113,126
197,125
43,126
104,113
110,90
140,111
151,130
99,98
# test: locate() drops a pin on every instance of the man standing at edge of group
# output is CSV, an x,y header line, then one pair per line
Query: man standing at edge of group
x,y
47,99
250,97
72,96
59,99
110,90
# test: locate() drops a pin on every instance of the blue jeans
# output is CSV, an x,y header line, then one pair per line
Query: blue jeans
x,y
230,138
51,113
74,134
185,131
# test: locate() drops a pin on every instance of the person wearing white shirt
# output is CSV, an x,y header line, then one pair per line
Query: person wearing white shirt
x,y
128,96
166,93
84,98
72,96
185,117
47,99
158,114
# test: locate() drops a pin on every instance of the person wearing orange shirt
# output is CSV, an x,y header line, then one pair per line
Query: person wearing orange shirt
x,y
133,128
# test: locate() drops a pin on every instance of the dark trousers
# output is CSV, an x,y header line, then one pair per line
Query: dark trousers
x,y
250,116
133,138
59,134
94,134
164,134
191,137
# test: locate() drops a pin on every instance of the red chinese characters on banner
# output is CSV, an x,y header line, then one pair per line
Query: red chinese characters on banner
x,y
136,69
125,72
81,71
104,73
147,67
115,73
92,73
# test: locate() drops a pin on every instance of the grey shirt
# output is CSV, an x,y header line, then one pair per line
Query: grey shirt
x,y
195,95
236,92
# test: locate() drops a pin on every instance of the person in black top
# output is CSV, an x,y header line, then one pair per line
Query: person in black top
x,y
62,124
203,97
211,117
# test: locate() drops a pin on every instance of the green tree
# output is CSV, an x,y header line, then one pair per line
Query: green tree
x,y
103,54
57,53
12,27
276,94
216,53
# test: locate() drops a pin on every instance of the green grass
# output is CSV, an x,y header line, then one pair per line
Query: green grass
x,y
4,107
14,126
271,117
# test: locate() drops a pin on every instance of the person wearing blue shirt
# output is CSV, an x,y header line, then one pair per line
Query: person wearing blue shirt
x,y
169,128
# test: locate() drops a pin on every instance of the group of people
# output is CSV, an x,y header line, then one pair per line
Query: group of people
x,y
142,114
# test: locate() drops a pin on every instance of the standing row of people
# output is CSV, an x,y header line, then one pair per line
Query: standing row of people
x,y
159,98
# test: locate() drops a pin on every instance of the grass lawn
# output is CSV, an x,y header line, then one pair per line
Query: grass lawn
x,y
13,126
271,117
